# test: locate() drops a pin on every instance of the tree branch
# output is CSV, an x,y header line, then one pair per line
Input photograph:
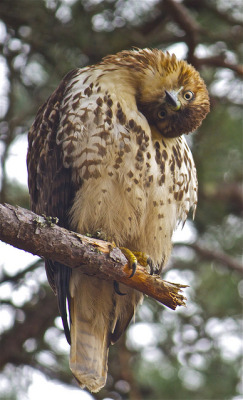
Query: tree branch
x,y
39,235
220,61
187,23
214,255
20,275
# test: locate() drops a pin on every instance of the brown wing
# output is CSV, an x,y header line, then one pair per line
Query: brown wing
x,y
50,186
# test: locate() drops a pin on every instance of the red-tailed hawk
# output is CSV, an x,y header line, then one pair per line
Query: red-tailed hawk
x,y
107,153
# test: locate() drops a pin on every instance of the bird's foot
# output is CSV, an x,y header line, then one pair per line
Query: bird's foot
x,y
138,257
135,257
131,258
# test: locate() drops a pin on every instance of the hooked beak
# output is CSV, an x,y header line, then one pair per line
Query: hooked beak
x,y
172,100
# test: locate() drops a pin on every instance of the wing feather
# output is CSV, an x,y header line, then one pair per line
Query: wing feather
x,y
50,185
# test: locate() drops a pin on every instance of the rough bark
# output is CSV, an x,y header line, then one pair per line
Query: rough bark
x,y
39,235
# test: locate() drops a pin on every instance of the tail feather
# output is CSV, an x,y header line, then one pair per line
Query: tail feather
x,y
89,352
98,317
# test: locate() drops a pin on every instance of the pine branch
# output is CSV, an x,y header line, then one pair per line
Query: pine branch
x,y
39,235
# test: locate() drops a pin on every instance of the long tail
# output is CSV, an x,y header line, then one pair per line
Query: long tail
x,y
98,318
89,352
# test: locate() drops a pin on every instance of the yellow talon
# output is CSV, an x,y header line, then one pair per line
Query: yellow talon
x,y
141,257
144,260
132,259
135,257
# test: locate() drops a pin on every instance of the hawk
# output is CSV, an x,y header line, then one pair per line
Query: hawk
x,y
107,153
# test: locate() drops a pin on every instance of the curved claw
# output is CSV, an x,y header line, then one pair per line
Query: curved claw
x,y
132,260
154,269
134,267
151,266
135,257
117,289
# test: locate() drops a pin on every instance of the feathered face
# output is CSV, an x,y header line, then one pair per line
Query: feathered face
x,y
170,93
176,110
175,99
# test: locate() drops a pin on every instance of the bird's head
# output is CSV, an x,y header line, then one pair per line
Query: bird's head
x,y
172,95
169,92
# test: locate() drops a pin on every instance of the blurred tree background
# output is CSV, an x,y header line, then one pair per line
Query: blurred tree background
x,y
191,353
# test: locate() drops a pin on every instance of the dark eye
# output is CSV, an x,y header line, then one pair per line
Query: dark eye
x,y
162,114
188,95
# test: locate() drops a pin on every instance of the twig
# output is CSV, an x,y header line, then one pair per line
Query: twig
x,y
220,61
214,255
187,23
39,235
20,275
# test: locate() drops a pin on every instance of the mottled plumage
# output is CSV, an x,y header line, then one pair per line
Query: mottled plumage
x,y
106,153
